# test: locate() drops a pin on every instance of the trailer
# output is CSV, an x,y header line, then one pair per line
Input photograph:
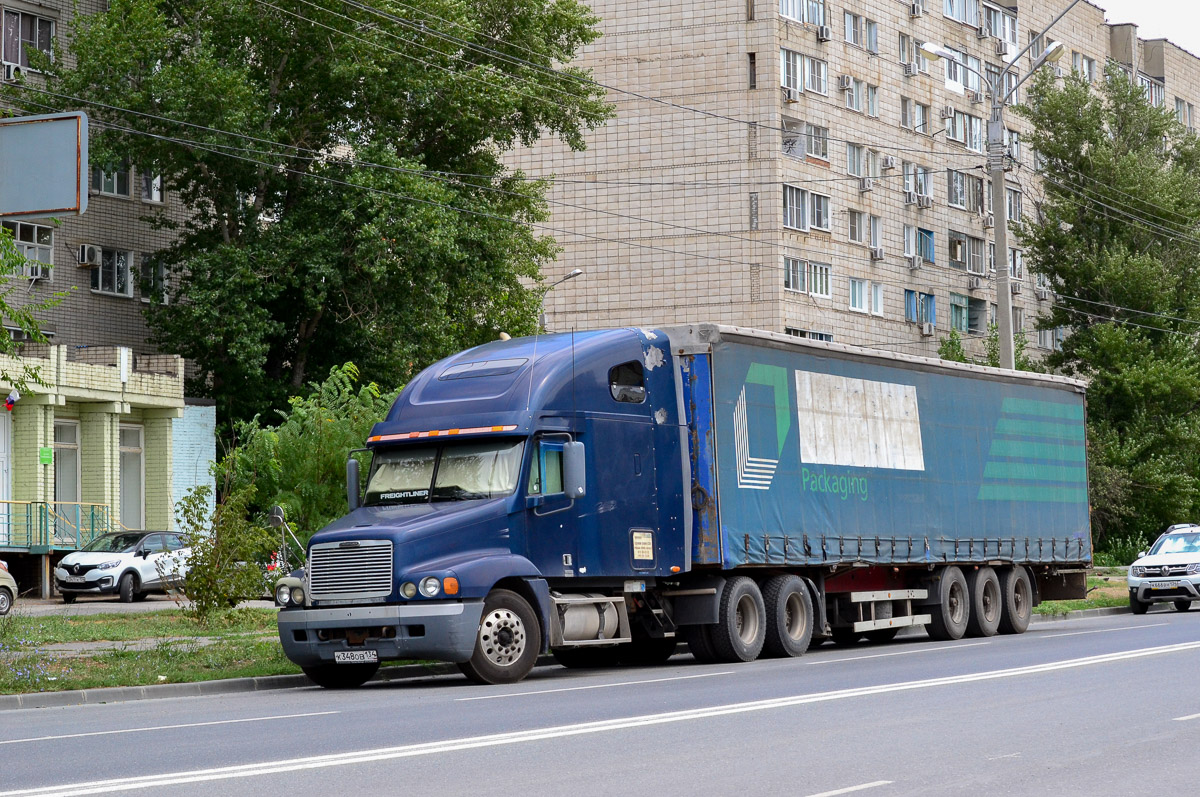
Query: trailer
x,y
604,495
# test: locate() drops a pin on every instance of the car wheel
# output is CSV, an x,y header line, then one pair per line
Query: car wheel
x,y
1181,605
127,588
6,601
69,597
1136,605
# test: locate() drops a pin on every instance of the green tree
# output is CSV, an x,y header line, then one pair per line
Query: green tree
x,y
363,211
951,348
17,310
1117,233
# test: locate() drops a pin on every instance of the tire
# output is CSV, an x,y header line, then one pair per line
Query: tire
x,y
1181,605
647,651
138,597
507,643
69,597
844,636
741,627
948,617
340,676
983,589
789,613
586,658
127,587
881,635
6,601
699,642
1016,594
1136,605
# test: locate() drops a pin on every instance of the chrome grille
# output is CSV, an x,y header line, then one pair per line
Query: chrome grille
x,y
338,570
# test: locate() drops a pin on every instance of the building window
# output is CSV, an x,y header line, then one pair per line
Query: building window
x,y
862,97
133,478
25,33
914,115
1016,264
858,295
1051,338
796,332
916,178
36,243
875,225
964,191
925,245
910,53
819,217
956,245
154,281
964,70
816,75
920,308
872,101
111,181
790,65
858,226
1083,66
1000,24
1013,203
751,80
818,279
966,130
795,206
1184,112
792,134
793,274
877,298
856,156
811,11
1018,317
1155,92
959,313
910,240
962,10
975,255
67,477
113,275
818,141
152,186
862,32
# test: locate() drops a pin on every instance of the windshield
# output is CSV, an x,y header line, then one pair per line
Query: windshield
x,y
113,543
451,472
1177,543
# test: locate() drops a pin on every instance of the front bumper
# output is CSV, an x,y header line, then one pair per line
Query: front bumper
x,y
1157,588
440,631
101,582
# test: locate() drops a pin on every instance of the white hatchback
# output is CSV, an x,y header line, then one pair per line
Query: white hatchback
x,y
128,563
1169,571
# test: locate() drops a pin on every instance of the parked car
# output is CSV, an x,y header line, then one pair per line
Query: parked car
x,y
1169,571
8,589
126,563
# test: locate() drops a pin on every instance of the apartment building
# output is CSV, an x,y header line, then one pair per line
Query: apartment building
x,y
800,166
89,449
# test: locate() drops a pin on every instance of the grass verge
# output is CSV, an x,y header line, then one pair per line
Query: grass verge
x,y
31,631
1103,592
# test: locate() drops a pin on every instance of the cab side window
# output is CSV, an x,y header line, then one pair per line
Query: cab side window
x,y
545,473
627,382
153,544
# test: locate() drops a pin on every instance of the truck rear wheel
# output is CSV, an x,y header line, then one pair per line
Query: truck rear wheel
x,y
340,676
983,588
1017,594
948,617
699,642
741,627
789,616
507,643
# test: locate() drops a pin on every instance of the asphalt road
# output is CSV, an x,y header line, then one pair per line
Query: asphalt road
x,y
1108,705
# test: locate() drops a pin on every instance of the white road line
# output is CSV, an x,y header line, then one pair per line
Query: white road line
x,y
851,789
921,649
594,686
1102,630
168,727
1188,717
279,766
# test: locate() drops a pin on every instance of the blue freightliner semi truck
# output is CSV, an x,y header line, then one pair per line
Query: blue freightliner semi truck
x,y
605,495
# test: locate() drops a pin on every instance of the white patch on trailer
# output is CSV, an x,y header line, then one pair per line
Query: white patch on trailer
x,y
648,334
858,423
660,416
654,358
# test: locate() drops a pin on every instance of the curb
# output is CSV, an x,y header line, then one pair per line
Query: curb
x,y
230,686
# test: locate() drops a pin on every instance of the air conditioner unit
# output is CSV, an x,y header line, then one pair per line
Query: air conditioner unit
x,y
910,197
824,33
982,32
1042,294
974,283
877,253
1058,71
13,73
914,262
915,9
790,95
947,111
37,271
910,70
89,255
976,97
846,82
1001,47
865,184
927,329
924,201
1016,288
989,221
887,162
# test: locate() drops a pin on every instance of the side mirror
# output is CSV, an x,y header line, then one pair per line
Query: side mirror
x,y
352,494
574,470
1141,554
275,518
144,553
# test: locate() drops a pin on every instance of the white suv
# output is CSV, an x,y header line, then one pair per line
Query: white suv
x,y
125,563
1169,571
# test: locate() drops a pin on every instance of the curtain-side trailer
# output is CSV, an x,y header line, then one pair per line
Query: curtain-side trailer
x,y
604,495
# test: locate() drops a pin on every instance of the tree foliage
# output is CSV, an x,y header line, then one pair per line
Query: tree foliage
x,y
1117,233
17,310
362,211
951,348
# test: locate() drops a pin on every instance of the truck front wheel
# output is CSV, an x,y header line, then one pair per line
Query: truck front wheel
x,y
948,617
507,643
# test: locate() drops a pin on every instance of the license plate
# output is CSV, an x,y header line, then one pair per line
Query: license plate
x,y
74,579
356,656
1164,584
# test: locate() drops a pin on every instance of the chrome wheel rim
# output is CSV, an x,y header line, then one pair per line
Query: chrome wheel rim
x,y
795,618
991,601
502,637
746,618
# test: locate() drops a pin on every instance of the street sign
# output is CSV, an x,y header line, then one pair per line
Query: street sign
x,y
44,165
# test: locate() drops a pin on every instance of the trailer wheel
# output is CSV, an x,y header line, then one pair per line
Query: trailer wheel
x,y
983,588
1137,605
741,627
948,618
1017,594
699,642
1181,605
340,676
507,643
587,657
789,616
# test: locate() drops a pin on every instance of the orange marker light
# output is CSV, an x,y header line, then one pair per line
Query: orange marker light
x,y
674,568
450,585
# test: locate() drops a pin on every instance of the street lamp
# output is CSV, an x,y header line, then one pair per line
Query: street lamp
x,y
996,157
542,306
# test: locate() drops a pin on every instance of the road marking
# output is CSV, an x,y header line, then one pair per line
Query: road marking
x,y
279,766
850,789
1008,755
594,686
1188,717
167,727
899,653
1103,630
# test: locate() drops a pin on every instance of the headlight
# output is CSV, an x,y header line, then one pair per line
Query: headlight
x,y
409,590
283,594
1137,571
109,565
430,586
1193,569
298,596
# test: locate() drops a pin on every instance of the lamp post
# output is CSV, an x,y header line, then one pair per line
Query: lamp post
x,y
542,306
996,158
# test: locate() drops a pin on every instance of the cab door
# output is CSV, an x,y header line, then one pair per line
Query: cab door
x,y
149,552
